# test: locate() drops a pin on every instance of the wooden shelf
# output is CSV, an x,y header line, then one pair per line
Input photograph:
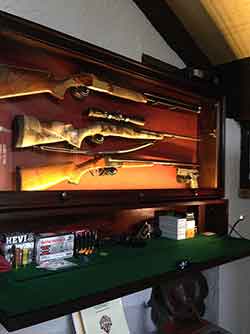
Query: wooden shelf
x,y
30,295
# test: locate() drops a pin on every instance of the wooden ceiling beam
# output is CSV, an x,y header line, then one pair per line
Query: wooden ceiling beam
x,y
173,32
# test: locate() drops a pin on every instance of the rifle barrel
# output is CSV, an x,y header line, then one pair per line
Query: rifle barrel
x,y
174,136
155,162
172,103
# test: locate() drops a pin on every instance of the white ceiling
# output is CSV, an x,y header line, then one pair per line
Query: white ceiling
x,y
221,28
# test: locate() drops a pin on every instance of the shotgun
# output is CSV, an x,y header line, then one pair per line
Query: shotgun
x,y
29,131
44,177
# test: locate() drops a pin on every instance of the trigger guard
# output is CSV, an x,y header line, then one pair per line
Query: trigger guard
x,y
97,139
80,93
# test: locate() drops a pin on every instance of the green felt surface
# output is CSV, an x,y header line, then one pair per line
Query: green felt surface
x,y
31,289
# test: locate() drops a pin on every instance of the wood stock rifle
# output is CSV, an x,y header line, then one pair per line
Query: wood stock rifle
x,y
19,81
44,177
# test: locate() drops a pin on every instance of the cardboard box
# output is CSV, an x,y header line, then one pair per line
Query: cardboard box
x,y
54,246
17,248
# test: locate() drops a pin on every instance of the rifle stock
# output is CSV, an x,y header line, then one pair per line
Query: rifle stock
x,y
15,81
18,81
44,177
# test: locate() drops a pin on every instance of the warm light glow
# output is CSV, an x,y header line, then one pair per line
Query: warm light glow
x,y
159,177
232,17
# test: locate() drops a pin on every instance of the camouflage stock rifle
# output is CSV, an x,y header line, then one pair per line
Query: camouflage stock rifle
x,y
29,131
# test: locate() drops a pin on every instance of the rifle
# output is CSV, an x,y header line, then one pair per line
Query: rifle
x,y
44,177
29,131
19,81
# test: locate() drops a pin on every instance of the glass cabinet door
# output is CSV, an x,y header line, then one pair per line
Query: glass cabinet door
x,y
62,129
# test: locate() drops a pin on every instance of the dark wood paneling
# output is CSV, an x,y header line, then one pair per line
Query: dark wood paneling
x,y
34,208
234,78
216,218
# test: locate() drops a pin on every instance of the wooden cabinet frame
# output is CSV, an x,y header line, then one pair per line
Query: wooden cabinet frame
x,y
17,206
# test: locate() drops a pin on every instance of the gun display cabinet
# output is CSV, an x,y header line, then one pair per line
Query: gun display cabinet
x,y
91,139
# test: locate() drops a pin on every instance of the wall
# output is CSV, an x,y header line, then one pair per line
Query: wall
x,y
119,26
116,25
234,284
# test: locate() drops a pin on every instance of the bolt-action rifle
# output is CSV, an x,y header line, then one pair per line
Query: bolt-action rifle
x,y
44,177
18,81
30,131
